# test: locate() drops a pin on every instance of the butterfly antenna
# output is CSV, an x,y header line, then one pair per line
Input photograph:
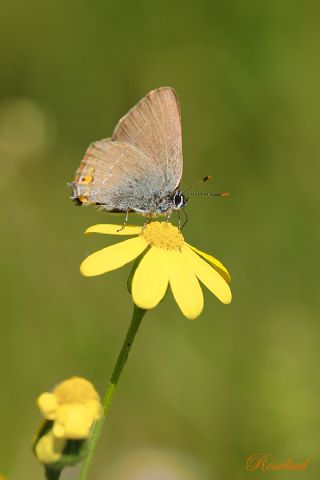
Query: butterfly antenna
x,y
199,182
220,194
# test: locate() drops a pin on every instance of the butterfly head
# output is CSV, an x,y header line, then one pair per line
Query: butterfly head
x,y
171,202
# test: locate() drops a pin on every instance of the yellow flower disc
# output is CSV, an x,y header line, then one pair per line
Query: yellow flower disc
x,y
163,235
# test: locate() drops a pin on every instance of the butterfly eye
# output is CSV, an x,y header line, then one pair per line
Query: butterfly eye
x,y
85,179
179,200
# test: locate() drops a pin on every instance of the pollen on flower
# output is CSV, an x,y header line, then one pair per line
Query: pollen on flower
x,y
163,235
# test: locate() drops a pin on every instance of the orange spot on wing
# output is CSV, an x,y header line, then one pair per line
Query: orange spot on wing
x,y
85,179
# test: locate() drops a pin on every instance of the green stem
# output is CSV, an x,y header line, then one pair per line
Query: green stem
x,y
137,316
52,474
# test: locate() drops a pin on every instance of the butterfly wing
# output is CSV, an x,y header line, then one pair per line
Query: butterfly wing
x,y
116,176
153,126
140,163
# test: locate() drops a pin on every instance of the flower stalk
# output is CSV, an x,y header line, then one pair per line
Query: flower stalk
x,y
52,474
137,316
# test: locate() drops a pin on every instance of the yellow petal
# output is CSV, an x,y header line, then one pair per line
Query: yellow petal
x,y
74,421
185,286
49,449
208,275
151,279
110,229
112,257
48,405
217,265
75,390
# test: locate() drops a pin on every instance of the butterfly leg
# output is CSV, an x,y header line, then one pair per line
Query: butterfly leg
x,y
186,218
179,220
169,214
148,220
125,222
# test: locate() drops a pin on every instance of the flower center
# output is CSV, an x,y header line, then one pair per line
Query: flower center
x,y
163,235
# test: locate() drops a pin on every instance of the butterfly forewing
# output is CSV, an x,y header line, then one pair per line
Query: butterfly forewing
x,y
153,126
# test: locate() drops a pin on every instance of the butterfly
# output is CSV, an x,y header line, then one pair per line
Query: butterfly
x,y
139,168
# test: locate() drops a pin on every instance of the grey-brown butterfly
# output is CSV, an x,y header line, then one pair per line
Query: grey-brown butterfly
x,y
139,168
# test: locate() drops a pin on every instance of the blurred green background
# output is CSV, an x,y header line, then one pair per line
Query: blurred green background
x,y
196,398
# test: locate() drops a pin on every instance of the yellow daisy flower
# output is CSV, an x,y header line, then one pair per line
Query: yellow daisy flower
x,y
166,260
73,406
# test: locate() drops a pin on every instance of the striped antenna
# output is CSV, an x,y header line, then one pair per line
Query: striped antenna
x,y
220,194
199,182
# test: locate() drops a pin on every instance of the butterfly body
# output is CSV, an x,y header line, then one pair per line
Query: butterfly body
x,y
139,169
